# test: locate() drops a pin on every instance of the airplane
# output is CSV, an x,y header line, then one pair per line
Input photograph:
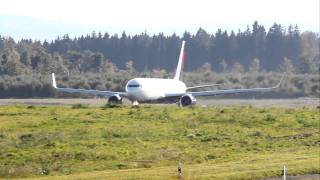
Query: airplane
x,y
148,90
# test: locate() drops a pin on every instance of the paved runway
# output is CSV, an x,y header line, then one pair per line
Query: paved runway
x,y
289,103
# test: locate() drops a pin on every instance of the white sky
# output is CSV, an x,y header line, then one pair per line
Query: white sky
x,y
169,15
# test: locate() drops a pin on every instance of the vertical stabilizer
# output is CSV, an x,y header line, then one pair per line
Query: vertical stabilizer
x,y
180,62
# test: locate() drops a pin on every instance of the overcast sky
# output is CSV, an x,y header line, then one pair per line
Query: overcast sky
x,y
134,16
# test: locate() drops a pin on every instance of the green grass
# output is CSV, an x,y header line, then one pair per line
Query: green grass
x,y
147,142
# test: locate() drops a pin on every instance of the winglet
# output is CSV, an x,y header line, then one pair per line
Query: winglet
x,y
180,62
282,77
54,84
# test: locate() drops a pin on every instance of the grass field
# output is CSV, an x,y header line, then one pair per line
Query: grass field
x,y
231,142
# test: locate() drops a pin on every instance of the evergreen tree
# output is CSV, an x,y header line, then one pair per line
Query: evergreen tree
x,y
275,47
258,40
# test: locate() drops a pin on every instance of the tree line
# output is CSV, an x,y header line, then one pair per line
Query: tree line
x,y
160,51
103,61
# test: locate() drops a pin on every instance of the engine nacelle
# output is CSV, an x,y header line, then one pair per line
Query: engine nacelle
x,y
115,99
187,100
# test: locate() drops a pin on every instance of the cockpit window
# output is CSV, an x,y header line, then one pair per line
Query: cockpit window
x,y
133,85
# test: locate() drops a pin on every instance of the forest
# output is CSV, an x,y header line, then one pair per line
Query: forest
x,y
254,57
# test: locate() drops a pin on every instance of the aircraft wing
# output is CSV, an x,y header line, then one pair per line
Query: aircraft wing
x,y
203,86
228,91
94,92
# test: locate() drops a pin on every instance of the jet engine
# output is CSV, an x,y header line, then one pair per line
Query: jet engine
x,y
187,100
115,99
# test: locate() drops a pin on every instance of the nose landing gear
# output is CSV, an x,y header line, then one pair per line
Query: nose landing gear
x,y
135,103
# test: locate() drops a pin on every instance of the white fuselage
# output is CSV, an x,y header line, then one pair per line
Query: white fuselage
x,y
150,89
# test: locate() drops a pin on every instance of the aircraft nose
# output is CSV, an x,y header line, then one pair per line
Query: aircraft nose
x,y
133,85
134,89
